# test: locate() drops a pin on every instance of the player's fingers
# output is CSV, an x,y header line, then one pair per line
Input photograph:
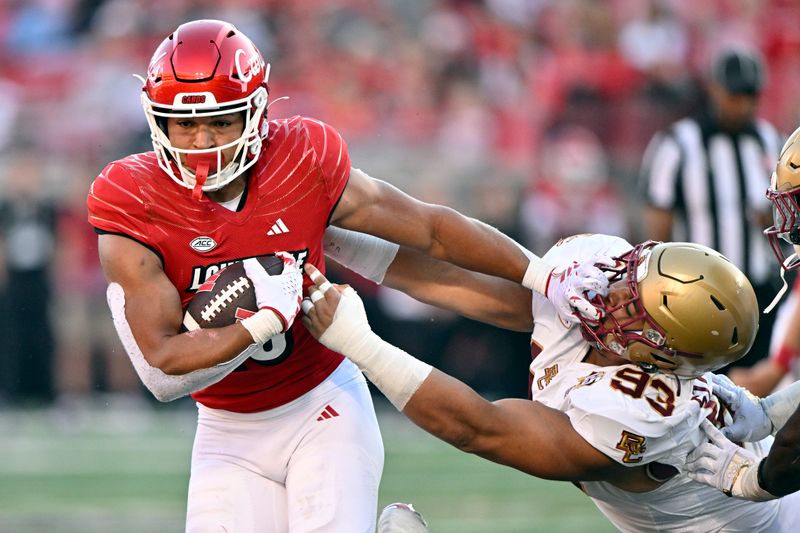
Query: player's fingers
x,y
699,459
723,385
733,433
727,396
583,306
723,381
323,287
315,295
288,259
306,305
253,269
604,260
591,284
316,276
567,316
713,434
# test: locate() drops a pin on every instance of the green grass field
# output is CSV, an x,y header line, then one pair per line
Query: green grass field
x,y
111,470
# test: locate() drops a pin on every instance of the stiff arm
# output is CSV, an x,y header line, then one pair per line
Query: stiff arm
x,y
525,435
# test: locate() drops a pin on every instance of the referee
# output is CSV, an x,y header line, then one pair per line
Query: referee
x,y
704,179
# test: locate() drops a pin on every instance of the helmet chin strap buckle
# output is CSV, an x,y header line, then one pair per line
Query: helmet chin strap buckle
x,y
203,165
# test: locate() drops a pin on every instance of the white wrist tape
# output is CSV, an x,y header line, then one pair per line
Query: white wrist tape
x,y
537,274
364,254
746,486
263,325
781,405
397,374
164,387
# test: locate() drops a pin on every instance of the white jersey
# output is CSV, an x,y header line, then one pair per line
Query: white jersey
x,y
635,418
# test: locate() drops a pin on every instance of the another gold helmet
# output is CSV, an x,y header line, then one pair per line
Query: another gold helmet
x,y
699,312
783,193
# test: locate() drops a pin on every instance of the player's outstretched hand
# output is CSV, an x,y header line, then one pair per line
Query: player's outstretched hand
x,y
280,293
568,285
334,314
750,421
720,463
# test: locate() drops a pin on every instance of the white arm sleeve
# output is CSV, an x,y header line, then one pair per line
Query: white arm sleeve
x,y
781,405
165,387
364,254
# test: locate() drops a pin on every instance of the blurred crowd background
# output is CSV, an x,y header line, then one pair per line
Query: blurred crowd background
x,y
532,115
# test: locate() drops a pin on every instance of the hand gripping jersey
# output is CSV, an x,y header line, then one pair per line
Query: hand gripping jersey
x,y
291,192
635,418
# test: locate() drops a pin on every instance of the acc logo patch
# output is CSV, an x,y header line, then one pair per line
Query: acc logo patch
x,y
203,244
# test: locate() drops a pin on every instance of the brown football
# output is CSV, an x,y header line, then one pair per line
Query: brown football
x,y
226,296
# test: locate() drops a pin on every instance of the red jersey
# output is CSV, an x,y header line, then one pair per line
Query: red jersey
x,y
291,193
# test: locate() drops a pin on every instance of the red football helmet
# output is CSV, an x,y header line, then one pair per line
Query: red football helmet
x,y
206,68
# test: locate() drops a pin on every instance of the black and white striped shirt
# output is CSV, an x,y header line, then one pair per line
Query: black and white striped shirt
x,y
714,182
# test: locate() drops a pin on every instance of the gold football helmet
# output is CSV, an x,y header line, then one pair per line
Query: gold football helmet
x,y
783,193
695,311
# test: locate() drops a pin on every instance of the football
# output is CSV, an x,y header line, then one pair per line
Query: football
x,y
227,296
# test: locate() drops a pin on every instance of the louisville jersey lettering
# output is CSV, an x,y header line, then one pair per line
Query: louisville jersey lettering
x,y
291,192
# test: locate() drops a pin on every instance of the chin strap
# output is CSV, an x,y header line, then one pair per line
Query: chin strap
x,y
781,292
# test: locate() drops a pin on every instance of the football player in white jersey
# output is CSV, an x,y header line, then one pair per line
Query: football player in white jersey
x,y
721,463
727,466
619,403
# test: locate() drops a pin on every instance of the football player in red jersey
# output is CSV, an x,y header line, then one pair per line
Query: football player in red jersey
x,y
287,437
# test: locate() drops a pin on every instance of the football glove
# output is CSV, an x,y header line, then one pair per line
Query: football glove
x,y
750,420
276,296
725,466
567,289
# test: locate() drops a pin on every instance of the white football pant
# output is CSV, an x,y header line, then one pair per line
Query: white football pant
x,y
311,465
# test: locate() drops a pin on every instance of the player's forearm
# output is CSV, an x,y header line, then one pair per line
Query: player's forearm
x,y
488,299
780,471
474,245
203,348
164,387
781,405
450,410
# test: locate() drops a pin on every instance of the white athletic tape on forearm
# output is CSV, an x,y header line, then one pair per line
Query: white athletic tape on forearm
x,y
396,373
781,405
746,486
364,254
537,273
165,387
263,325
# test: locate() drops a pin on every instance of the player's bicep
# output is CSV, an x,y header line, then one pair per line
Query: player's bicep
x,y
152,305
539,440
378,208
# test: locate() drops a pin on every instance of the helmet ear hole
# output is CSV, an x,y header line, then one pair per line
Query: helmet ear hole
x,y
735,337
162,124
717,303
